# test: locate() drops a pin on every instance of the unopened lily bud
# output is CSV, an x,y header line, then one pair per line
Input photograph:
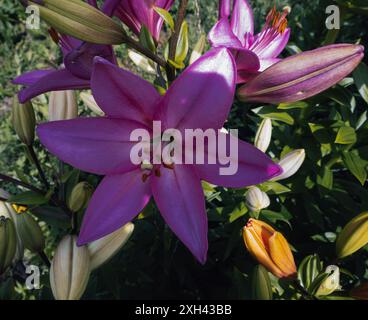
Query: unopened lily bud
x,y
24,121
102,250
331,283
303,75
261,284
290,164
90,102
7,210
270,248
80,20
30,233
360,292
63,105
70,270
8,243
353,236
79,196
256,199
263,136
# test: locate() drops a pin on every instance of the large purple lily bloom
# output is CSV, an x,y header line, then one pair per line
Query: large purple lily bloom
x,y
253,52
199,99
78,62
135,13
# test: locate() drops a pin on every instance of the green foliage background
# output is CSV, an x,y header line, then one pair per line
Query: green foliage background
x,y
322,197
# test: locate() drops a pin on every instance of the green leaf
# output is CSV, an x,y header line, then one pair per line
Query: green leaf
x,y
293,105
183,44
325,179
308,270
146,39
274,187
273,216
360,75
28,198
198,49
346,135
356,166
238,212
273,114
166,16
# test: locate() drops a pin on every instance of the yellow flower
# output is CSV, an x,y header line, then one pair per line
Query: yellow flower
x,y
270,248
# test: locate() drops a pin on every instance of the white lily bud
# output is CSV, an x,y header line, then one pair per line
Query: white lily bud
x,y
331,283
70,270
256,199
290,164
105,248
91,103
63,105
263,135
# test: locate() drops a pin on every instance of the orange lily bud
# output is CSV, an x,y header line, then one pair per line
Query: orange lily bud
x,y
270,248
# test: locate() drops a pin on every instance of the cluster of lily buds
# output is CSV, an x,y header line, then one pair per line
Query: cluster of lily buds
x,y
72,264
79,196
270,248
303,75
24,121
256,199
353,236
63,105
80,20
331,283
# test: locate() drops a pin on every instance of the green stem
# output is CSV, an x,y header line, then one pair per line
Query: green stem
x,y
38,166
44,258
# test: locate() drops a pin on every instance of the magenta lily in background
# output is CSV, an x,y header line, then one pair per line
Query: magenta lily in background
x,y
78,62
199,99
253,52
135,13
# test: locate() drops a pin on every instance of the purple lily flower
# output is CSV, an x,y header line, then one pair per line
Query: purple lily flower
x,y
135,13
200,98
78,62
253,52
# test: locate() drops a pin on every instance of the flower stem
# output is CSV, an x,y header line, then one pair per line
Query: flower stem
x,y
45,259
38,166
20,183
170,70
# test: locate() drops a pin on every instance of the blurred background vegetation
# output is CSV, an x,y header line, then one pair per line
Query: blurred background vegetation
x,y
325,194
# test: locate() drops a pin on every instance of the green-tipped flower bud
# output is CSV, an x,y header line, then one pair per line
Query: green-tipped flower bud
x,y
263,136
261,284
24,121
70,270
90,102
256,199
30,233
79,196
353,236
63,105
331,283
105,248
8,243
290,164
81,20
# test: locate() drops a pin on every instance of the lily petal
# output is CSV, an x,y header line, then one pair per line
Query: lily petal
x,y
266,63
122,94
117,200
221,35
202,95
275,47
96,145
179,196
253,166
242,19
53,81
31,77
